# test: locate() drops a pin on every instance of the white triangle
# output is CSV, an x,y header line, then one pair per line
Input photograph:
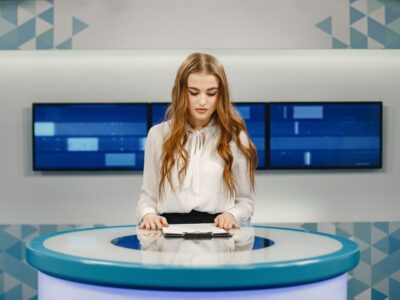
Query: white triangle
x,y
14,230
23,15
361,5
379,15
42,6
364,295
9,282
29,45
28,292
361,25
363,245
396,276
5,26
372,44
41,26
376,256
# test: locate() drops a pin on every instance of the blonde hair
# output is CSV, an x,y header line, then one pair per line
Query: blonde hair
x,y
230,124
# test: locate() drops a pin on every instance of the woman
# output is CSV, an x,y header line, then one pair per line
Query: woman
x,y
199,164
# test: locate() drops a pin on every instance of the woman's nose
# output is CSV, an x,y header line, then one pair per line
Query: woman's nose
x,y
203,99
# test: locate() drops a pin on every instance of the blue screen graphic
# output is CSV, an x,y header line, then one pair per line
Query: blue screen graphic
x,y
88,136
253,114
325,135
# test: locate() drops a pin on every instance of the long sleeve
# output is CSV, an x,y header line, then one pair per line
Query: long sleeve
x,y
245,196
148,196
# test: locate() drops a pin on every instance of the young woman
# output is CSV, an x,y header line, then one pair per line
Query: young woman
x,y
199,164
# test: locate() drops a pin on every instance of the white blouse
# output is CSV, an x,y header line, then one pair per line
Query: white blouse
x,y
203,188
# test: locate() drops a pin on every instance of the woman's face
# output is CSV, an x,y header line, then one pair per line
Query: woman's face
x,y
203,93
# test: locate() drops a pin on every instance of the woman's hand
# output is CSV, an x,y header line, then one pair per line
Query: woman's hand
x,y
226,221
153,221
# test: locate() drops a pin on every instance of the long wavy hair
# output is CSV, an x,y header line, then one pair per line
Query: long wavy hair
x,y
230,124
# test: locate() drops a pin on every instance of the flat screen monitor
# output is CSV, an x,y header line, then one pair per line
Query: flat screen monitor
x,y
253,115
89,136
325,135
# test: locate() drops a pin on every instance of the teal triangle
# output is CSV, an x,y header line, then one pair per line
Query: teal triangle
x,y
393,45
48,15
15,251
78,25
357,39
27,230
377,276
362,231
11,38
67,44
9,11
5,45
383,245
383,226
5,26
26,31
336,44
396,234
352,1
309,226
355,15
50,1
45,40
394,245
325,25
373,5
390,264
392,5
390,36
391,15
365,256
394,288
376,31
377,295
343,233
356,287
14,293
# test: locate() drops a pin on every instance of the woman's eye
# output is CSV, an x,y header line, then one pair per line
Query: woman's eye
x,y
212,94
193,94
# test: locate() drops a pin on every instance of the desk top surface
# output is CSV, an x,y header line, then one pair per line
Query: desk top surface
x,y
255,256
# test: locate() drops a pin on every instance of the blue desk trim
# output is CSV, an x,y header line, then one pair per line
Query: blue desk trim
x,y
229,277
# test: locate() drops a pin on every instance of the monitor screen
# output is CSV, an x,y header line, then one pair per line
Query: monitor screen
x,y
255,118
89,136
252,113
322,135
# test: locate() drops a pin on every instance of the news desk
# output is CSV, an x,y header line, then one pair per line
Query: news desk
x,y
258,262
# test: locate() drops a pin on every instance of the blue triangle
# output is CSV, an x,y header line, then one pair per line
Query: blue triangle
x,y
310,226
45,40
26,31
9,11
352,1
325,25
377,276
355,15
376,31
356,287
5,45
384,226
396,234
383,245
358,40
393,45
15,251
336,44
67,44
48,16
366,256
14,293
394,245
377,295
394,288
78,26
27,230
390,15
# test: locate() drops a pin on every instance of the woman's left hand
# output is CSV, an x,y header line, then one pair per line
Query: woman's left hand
x,y
226,221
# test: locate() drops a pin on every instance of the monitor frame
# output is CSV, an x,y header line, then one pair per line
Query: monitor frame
x,y
268,134
119,169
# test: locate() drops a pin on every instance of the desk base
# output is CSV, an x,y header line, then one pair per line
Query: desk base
x,y
51,288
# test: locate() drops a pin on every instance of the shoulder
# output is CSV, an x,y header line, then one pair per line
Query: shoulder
x,y
160,131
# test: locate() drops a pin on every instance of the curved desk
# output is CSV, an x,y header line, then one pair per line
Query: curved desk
x,y
123,262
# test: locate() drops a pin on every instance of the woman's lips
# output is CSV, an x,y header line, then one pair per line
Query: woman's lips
x,y
201,110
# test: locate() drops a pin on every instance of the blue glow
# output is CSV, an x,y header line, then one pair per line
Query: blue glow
x,y
83,144
44,129
125,159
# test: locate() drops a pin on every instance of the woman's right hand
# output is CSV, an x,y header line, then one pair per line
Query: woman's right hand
x,y
153,221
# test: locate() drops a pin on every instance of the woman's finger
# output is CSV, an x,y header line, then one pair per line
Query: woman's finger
x,y
164,221
158,223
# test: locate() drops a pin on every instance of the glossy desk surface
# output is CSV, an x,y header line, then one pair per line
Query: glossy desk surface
x,y
256,256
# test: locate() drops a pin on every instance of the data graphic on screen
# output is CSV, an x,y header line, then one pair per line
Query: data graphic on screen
x,y
89,136
325,135
255,118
